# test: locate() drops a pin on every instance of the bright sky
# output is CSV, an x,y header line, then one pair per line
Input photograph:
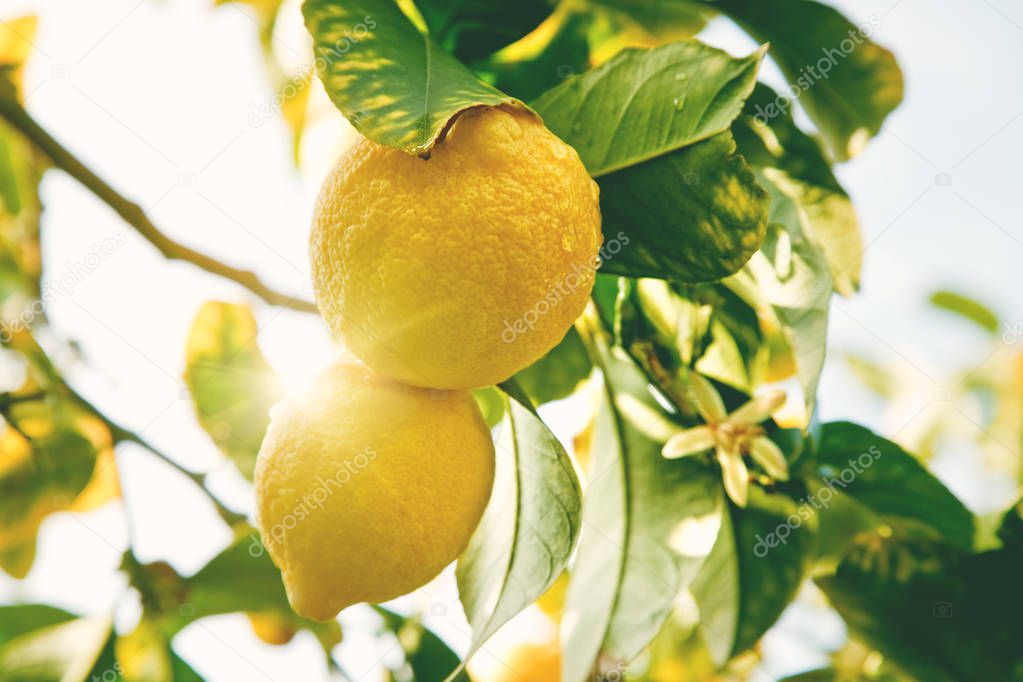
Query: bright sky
x,y
156,97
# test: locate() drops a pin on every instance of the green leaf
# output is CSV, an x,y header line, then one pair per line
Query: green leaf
x,y
529,528
790,280
20,619
939,613
605,298
60,465
472,29
491,403
820,675
853,461
857,82
964,306
240,578
662,20
648,524
426,653
20,207
645,103
232,384
64,652
761,556
795,162
181,671
37,479
565,53
10,193
558,373
1010,528
388,77
694,215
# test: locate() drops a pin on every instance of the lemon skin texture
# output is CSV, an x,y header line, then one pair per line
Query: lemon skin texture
x,y
367,488
459,270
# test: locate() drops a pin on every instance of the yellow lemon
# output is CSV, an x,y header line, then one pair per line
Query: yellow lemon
x,y
532,662
272,628
459,270
367,488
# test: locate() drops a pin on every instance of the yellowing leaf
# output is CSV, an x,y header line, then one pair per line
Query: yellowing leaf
x,y
16,559
232,384
32,486
15,46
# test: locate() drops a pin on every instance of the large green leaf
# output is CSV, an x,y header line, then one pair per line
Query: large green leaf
x,y
388,76
790,279
652,125
875,472
694,215
755,569
847,83
939,613
232,384
472,29
645,103
648,525
796,164
529,528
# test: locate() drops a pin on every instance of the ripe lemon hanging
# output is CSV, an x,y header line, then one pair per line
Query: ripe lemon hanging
x,y
459,270
366,488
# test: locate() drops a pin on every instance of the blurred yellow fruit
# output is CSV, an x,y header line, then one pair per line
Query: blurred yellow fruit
x,y
271,628
367,488
532,662
552,602
459,270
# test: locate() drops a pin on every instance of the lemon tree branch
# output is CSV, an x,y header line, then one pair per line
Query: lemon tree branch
x,y
121,434
16,115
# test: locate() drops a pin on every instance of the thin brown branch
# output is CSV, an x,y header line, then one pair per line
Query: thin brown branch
x,y
15,114
121,434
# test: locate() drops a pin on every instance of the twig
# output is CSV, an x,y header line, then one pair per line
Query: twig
x,y
15,114
121,434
